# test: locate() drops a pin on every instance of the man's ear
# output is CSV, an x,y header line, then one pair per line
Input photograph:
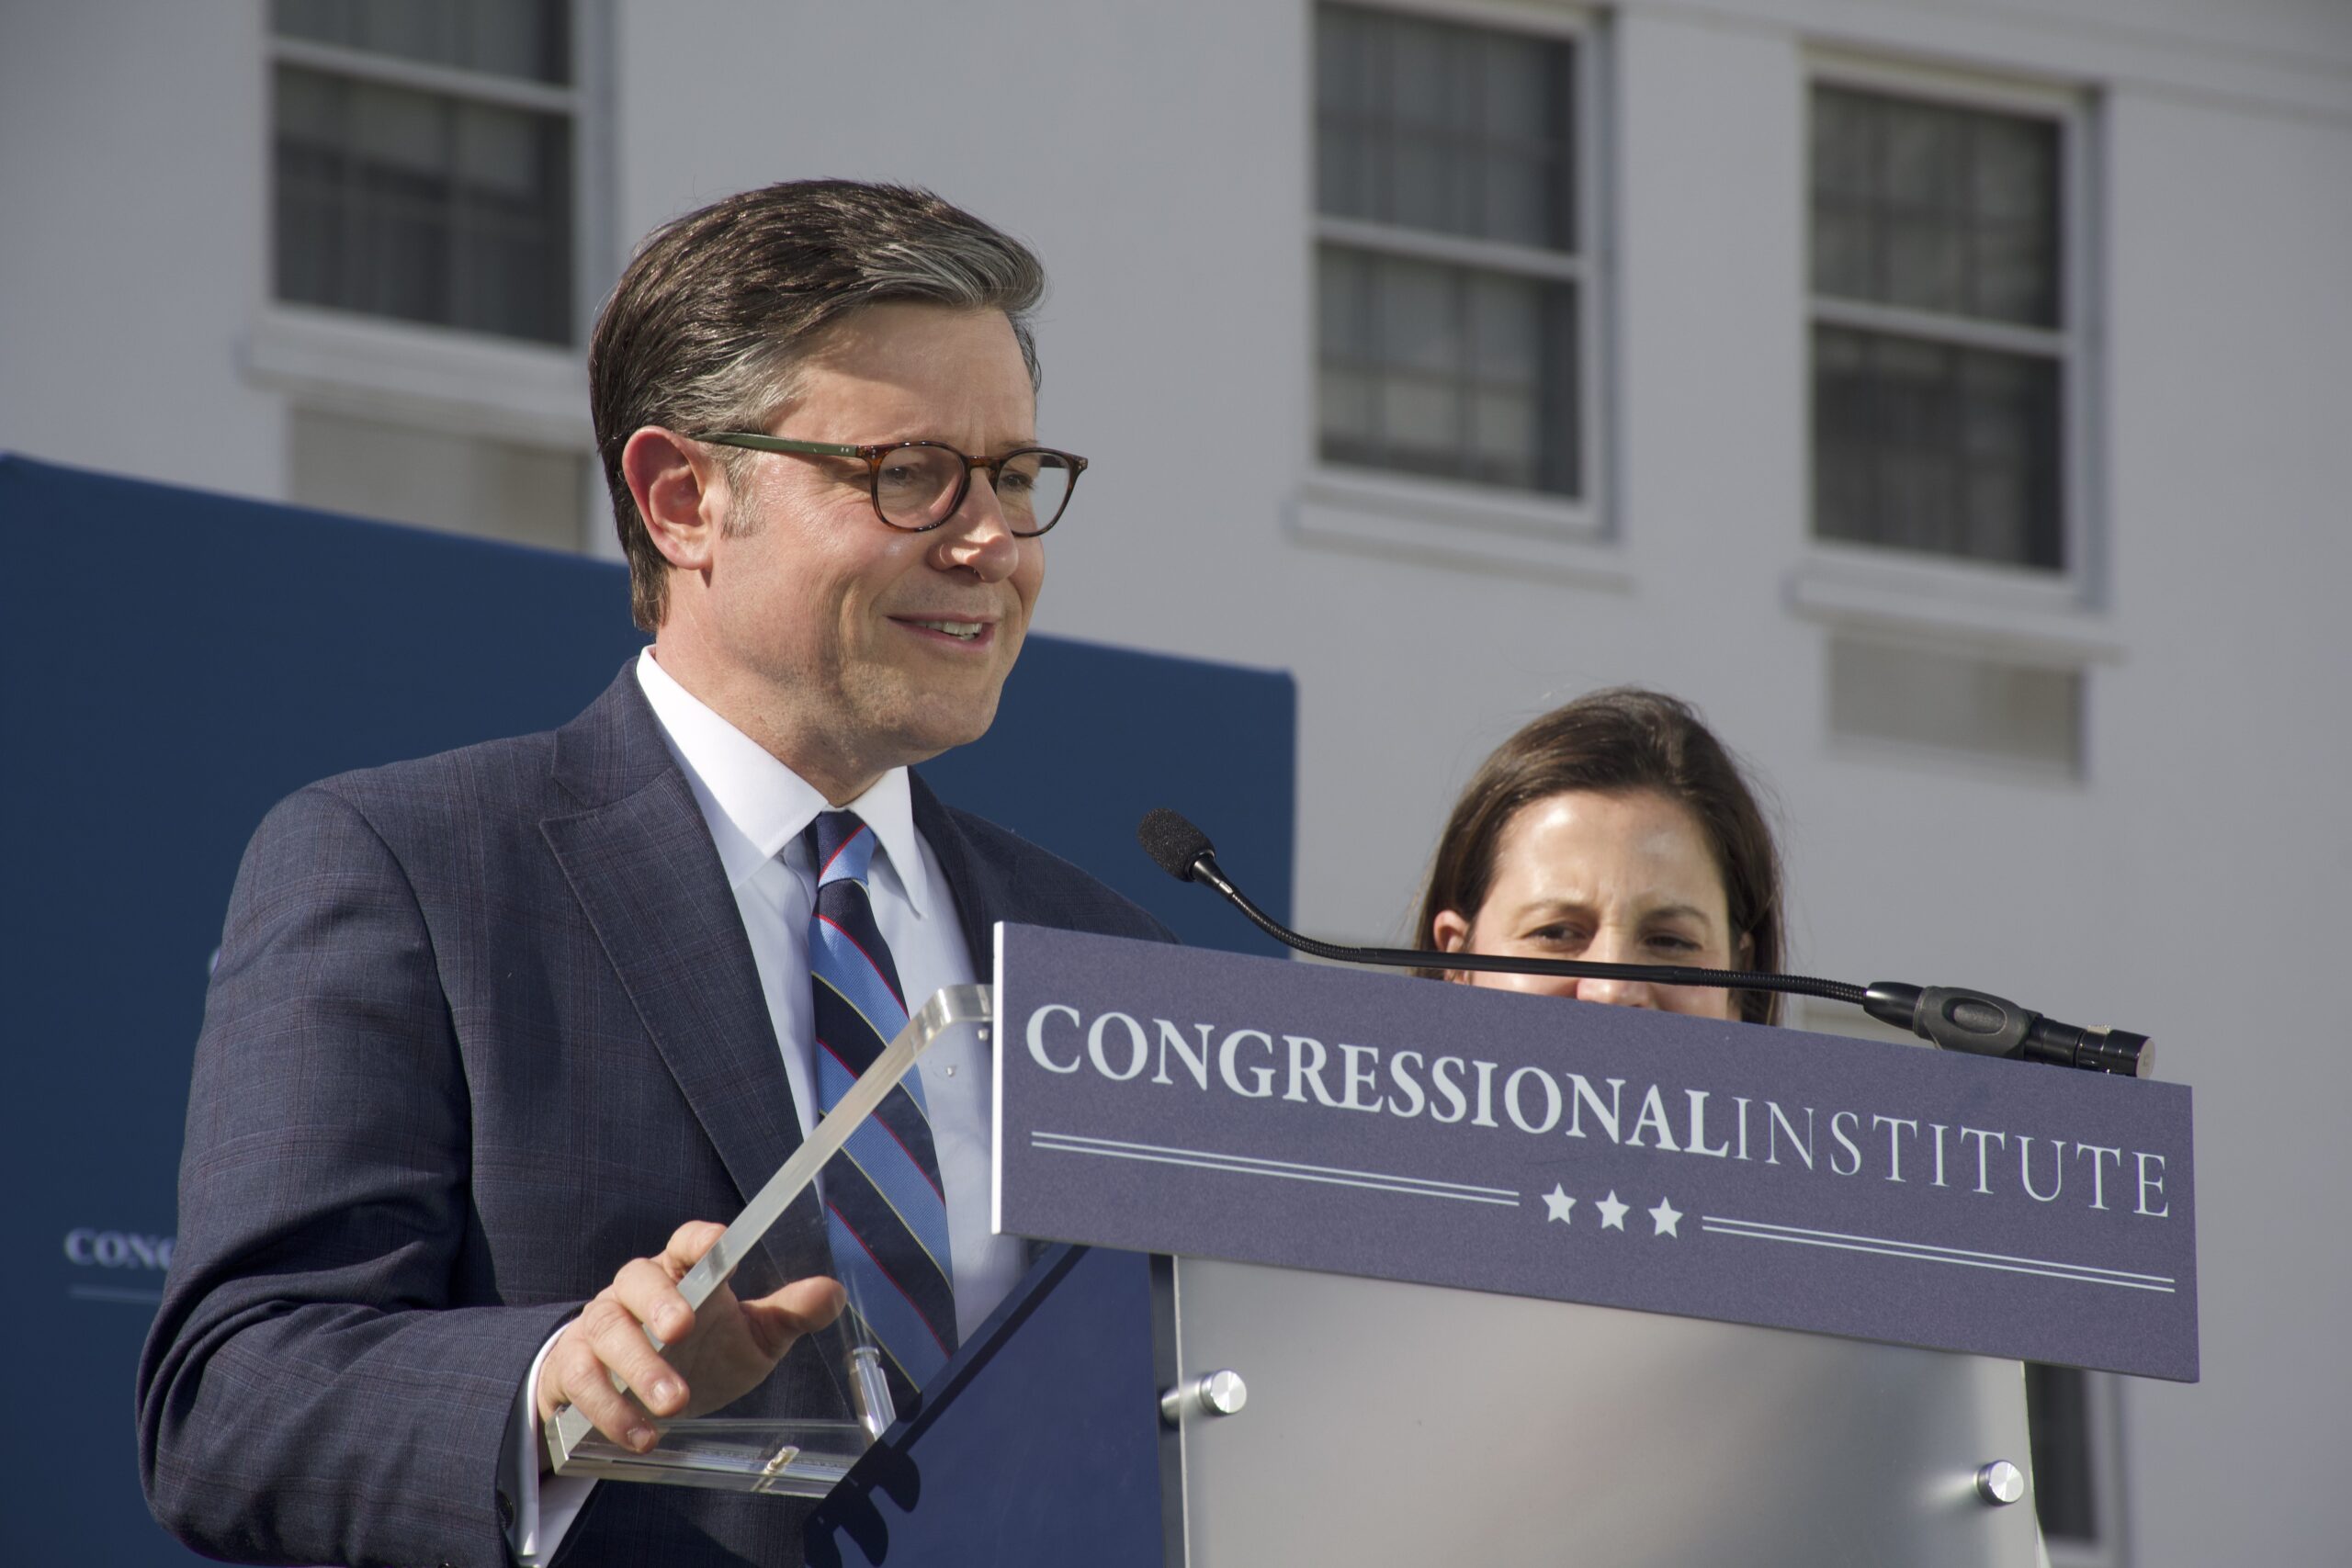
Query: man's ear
x,y
680,491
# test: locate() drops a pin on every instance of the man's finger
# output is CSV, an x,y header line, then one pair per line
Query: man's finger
x,y
688,1243
616,1339
801,1307
650,1292
573,1375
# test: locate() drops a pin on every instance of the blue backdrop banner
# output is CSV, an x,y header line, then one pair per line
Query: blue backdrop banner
x,y
182,661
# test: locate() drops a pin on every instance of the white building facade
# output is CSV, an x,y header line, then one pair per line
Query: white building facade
x,y
1952,398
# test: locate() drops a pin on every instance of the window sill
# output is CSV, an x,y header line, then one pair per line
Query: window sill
x,y
429,377
1962,608
1402,517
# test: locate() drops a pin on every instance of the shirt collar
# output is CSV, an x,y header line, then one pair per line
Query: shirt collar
x,y
757,806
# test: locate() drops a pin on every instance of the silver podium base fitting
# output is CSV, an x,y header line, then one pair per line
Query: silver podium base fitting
x,y
788,1458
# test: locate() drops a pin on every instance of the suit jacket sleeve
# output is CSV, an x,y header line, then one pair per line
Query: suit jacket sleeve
x,y
327,1379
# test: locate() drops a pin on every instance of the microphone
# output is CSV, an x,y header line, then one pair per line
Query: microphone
x,y
1987,1025
1184,851
1947,1016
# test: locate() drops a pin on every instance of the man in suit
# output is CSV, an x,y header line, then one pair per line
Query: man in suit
x,y
487,1027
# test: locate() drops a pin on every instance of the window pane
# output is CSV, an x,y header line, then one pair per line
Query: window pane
x,y
1429,182
1430,65
1922,262
422,207
1345,401
1520,97
1343,94
1931,447
1521,202
1920,155
1421,423
2010,421
1343,300
1506,341
511,237
1843,139
1845,238
2015,191
1935,208
1418,323
1845,257
1451,129
1506,439
529,38
1447,370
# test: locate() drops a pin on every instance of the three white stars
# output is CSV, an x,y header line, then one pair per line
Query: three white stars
x,y
1663,1219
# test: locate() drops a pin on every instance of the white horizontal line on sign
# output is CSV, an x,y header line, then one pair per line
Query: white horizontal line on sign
x,y
111,1293
1923,1252
1288,1170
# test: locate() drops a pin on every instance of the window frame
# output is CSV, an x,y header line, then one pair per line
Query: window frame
x,y
1459,519
2073,346
568,100
447,379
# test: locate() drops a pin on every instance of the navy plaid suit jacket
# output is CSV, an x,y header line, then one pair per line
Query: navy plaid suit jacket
x,y
484,1027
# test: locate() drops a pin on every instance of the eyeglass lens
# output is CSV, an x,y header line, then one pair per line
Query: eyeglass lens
x,y
916,486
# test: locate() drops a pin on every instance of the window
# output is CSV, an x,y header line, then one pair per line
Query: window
x,y
1945,340
423,153
1451,276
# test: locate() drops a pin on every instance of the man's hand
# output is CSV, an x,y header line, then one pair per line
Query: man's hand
x,y
712,1358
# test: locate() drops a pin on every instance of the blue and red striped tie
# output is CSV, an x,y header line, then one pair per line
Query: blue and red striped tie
x,y
884,1207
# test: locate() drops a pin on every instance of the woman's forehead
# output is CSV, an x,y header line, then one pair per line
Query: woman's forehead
x,y
1582,844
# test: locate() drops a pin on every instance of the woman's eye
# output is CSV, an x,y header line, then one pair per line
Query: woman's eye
x,y
1666,941
1557,935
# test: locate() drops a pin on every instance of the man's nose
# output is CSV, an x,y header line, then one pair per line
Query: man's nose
x,y
976,536
1612,947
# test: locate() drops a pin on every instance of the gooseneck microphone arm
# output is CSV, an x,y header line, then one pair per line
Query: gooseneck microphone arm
x,y
1945,1015
1189,862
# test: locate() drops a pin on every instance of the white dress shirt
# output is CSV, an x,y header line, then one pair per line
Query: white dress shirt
x,y
757,810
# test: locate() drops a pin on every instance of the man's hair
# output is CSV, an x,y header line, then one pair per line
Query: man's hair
x,y
720,309
1626,740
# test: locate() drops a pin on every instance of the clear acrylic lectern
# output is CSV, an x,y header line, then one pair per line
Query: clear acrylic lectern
x,y
790,1457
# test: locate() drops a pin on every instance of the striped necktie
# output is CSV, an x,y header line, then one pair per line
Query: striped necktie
x,y
885,1208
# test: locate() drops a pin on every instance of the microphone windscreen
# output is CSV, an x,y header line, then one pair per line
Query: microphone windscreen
x,y
1172,842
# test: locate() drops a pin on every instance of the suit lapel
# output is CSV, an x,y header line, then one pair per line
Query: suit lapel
x,y
640,859
983,895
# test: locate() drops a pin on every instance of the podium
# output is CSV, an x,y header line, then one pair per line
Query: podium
x,y
1568,1433
1355,1268
1389,1423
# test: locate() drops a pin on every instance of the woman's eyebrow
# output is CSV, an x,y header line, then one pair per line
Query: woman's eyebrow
x,y
1537,909
1585,906
1692,911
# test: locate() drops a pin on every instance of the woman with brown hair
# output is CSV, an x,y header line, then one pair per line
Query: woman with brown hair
x,y
1619,829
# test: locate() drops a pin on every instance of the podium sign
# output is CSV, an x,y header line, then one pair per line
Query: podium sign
x,y
1208,1105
